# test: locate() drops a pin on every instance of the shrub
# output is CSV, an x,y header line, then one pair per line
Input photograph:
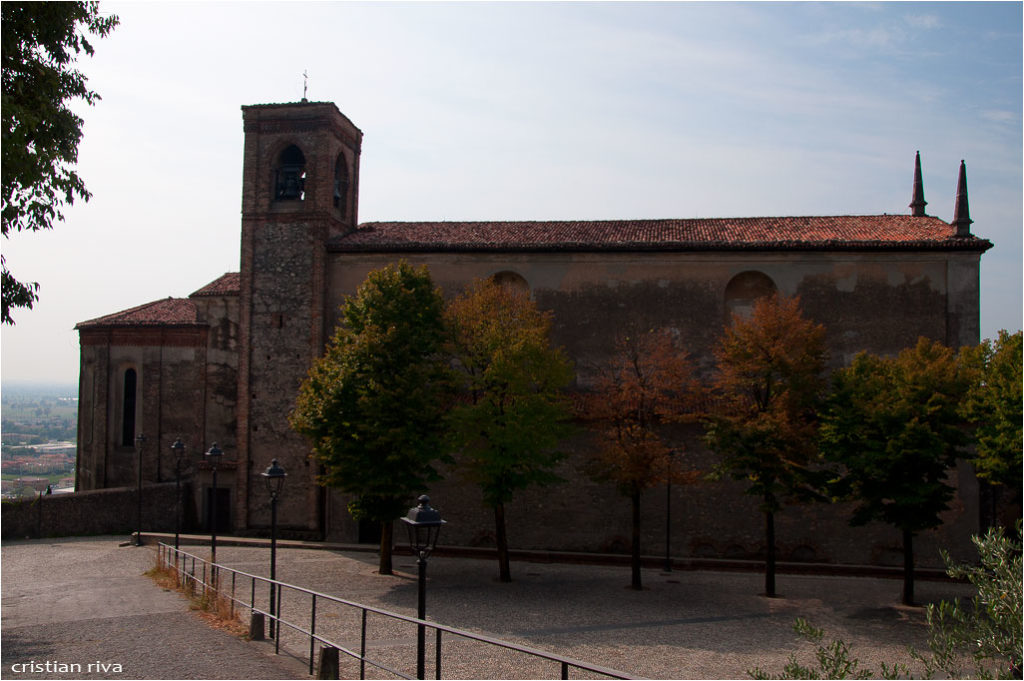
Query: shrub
x,y
981,638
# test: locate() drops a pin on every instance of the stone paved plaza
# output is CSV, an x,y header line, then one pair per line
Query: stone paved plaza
x,y
684,624
87,596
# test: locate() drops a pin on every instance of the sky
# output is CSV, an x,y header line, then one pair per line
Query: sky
x,y
519,111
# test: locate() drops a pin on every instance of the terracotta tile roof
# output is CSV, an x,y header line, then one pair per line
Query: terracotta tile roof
x,y
851,232
226,285
166,312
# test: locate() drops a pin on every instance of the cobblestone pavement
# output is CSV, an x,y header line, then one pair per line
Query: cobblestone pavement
x,y
84,600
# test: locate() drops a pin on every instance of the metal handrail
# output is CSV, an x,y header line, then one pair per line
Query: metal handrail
x,y
165,552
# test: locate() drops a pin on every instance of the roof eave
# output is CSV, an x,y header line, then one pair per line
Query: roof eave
x,y
971,245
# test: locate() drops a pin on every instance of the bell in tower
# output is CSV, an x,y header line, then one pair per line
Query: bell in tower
x,y
291,175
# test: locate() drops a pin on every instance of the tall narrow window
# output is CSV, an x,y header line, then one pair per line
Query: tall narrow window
x,y
291,175
128,409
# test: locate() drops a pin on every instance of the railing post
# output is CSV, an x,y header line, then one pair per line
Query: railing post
x,y
312,633
362,648
565,670
437,655
277,639
421,614
233,575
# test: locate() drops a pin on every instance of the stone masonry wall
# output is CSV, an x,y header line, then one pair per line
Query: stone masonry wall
x,y
887,301
102,511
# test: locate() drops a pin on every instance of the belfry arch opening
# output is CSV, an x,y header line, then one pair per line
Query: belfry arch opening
x,y
745,289
290,175
341,183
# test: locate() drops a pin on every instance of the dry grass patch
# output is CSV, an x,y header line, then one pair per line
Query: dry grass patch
x,y
214,609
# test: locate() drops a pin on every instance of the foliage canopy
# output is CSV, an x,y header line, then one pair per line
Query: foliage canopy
x,y
994,406
41,41
893,423
770,378
512,414
648,382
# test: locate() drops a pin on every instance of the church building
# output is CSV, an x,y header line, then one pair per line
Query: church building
x,y
224,365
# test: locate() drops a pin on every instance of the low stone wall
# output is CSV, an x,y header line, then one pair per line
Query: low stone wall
x,y
102,511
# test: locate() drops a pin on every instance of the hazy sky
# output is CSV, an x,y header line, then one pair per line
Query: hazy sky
x,y
476,111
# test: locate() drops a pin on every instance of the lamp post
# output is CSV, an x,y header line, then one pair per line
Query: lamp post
x,y
179,456
139,441
668,513
424,525
213,458
274,478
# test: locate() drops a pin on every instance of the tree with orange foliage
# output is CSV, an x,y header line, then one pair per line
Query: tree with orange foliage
x,y
648,382
770,378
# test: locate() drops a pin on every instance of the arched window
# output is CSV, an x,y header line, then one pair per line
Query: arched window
x,y
128,408
744,290
341,183
290,180
512,280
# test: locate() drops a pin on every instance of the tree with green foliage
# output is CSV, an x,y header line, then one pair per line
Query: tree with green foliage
x,y
993,405
647,383
372,406
41,41
894,425
511,415
770,376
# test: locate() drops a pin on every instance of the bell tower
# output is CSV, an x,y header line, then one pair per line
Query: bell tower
x,y
299,188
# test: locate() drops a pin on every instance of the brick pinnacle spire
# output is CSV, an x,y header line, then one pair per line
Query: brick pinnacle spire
x,y
961,211
917,203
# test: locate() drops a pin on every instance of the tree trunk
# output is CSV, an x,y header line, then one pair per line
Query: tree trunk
x,y
501,539
635,560
386,529
908,567
769,562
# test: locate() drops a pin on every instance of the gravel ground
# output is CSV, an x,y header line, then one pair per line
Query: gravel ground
x,y
83,600
683,625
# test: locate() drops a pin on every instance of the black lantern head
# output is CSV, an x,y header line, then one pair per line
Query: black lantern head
x,y
274,478
424,525
178,448
214,454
